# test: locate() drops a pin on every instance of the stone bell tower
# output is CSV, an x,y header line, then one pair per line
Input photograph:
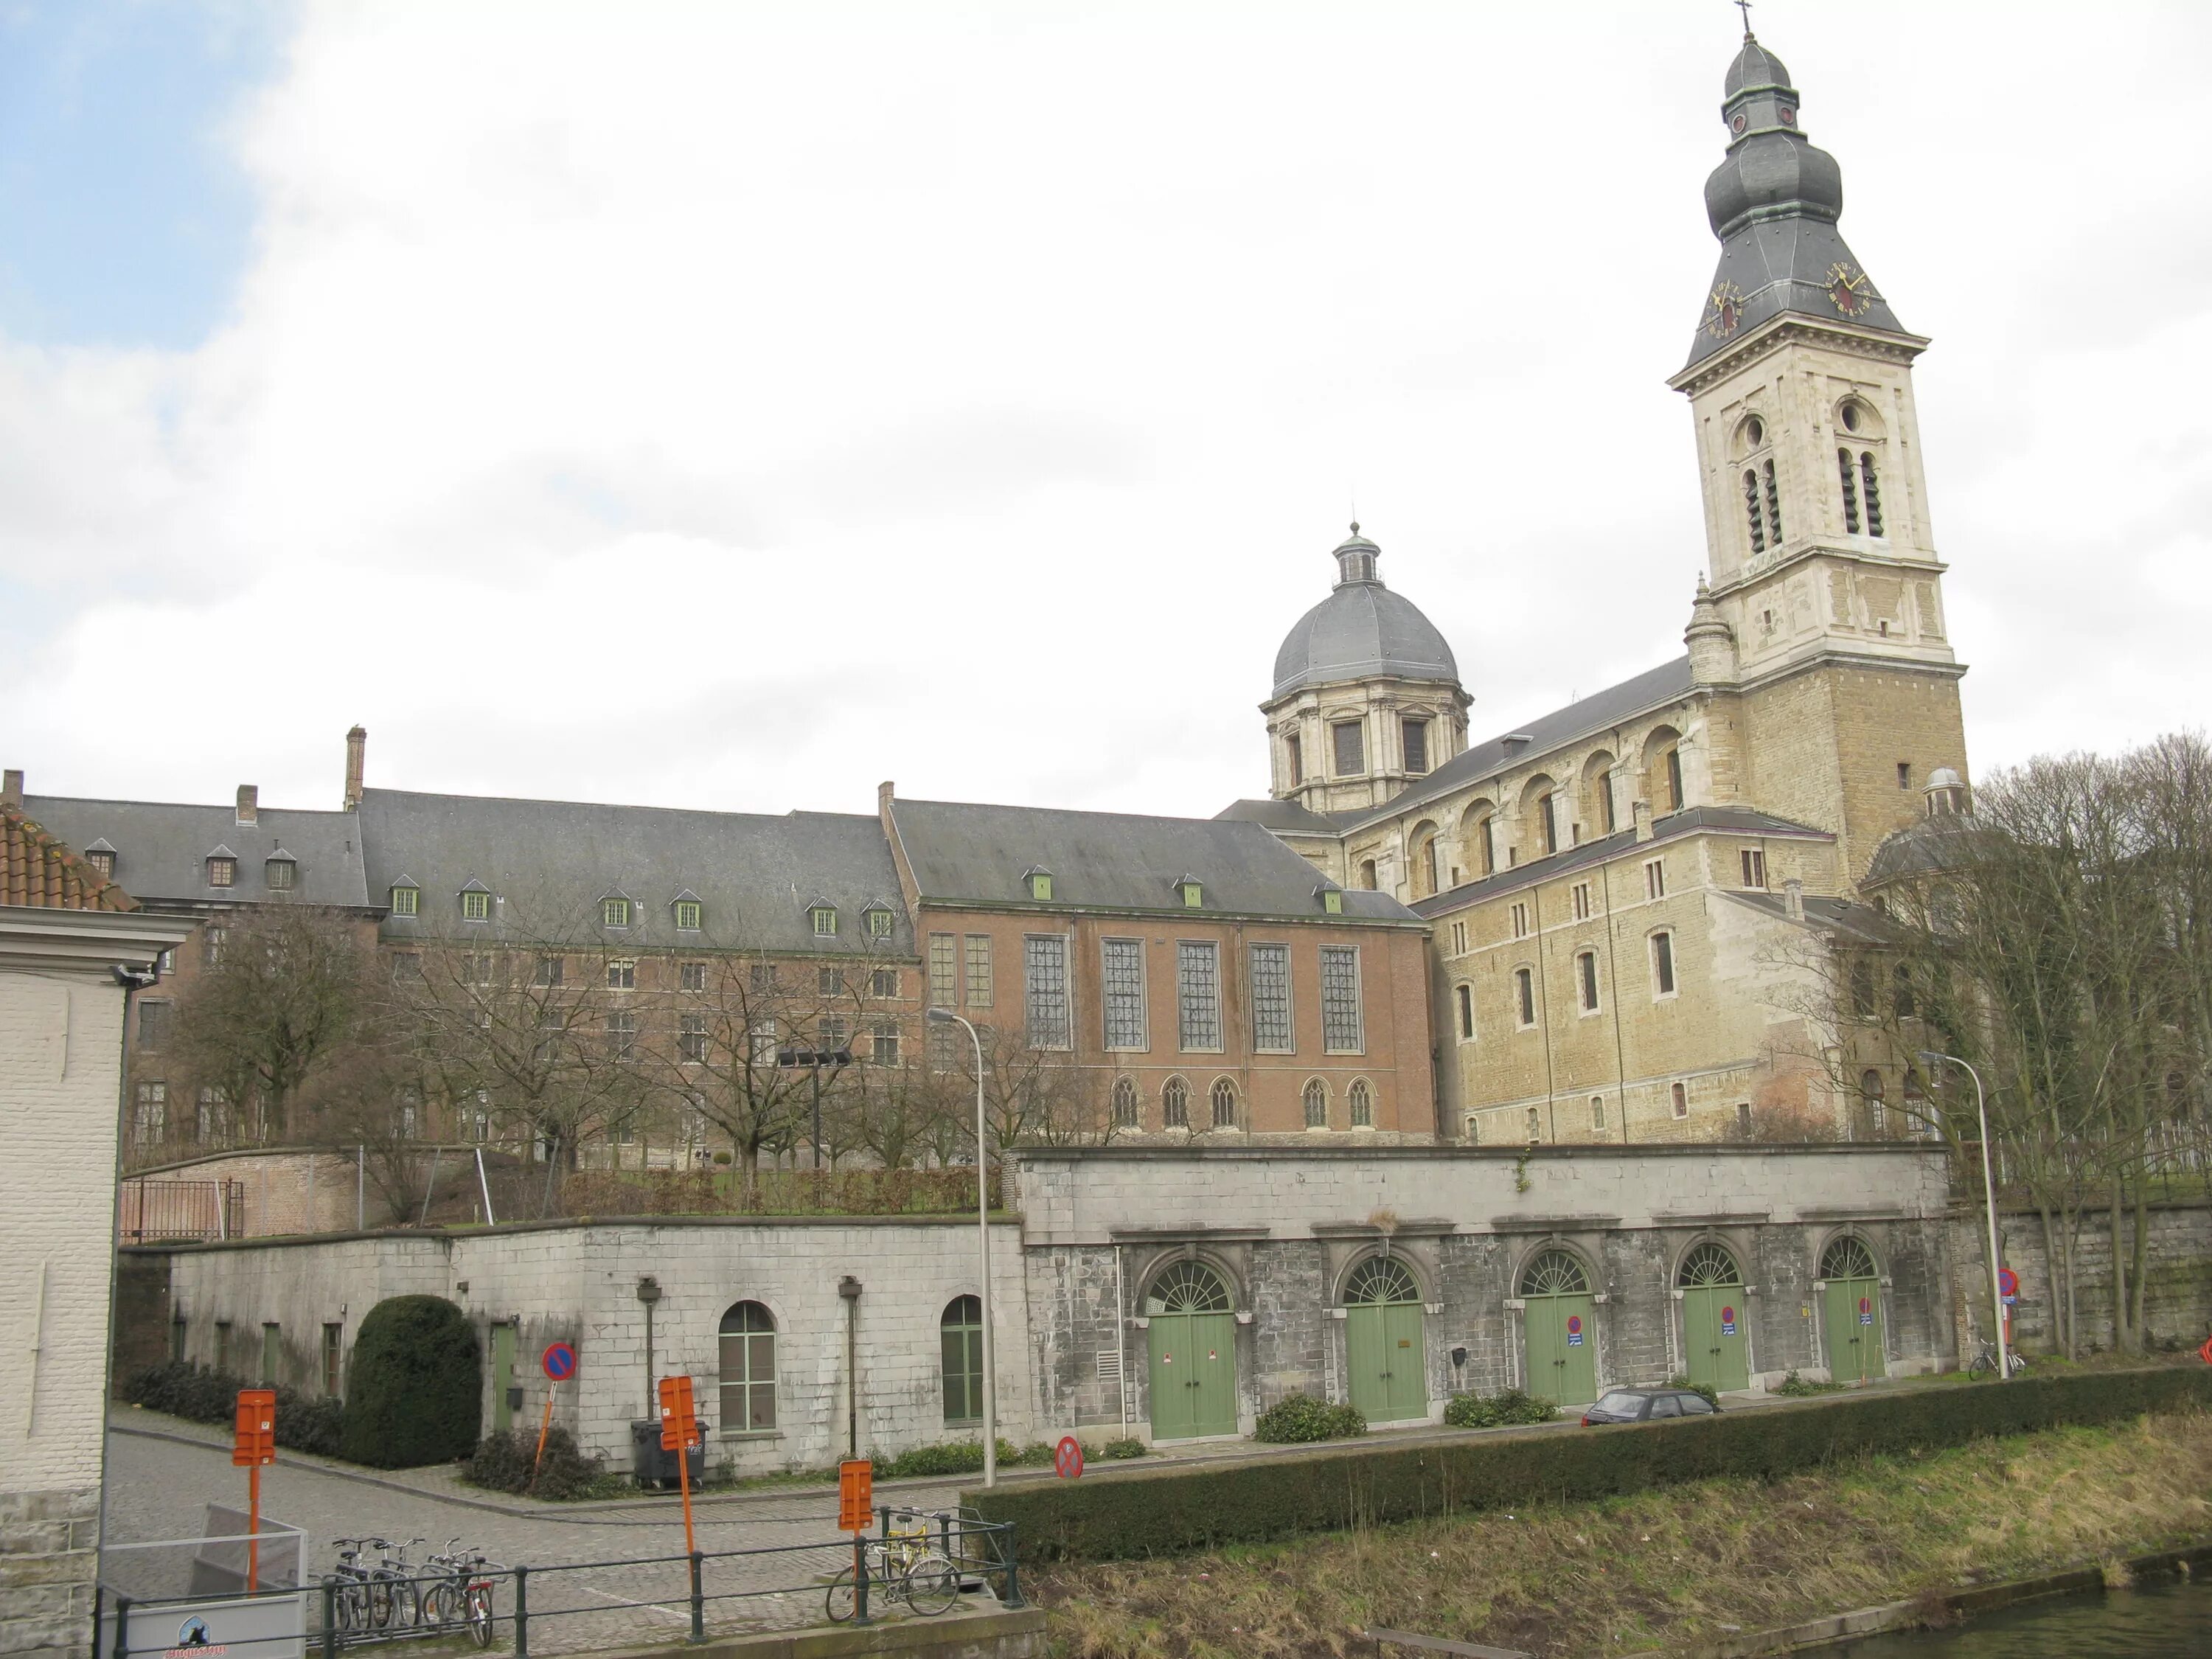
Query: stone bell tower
x,y
1822,555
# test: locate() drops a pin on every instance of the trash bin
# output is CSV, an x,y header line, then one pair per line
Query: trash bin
x,y
651,1466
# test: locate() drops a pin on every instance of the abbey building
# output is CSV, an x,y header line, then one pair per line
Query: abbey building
x,y
1624,892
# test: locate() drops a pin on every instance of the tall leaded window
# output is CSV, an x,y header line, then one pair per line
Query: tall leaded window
x,y
1351,750
747,1368
1044,987
961,1331
1342,1030
1316,1103
1849,474
943,969
1125,993
1270,998
1417,746
979,970
1198,995
1125,1102
1175,1104
1361,1098
1225,1104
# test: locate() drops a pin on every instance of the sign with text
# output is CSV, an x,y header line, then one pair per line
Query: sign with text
x,y
856,1495
679,1424
254,1441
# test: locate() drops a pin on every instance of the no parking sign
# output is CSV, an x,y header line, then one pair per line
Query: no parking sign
x,y
559,1360
1728,1322
1866,1311
2007,1285
1574,1330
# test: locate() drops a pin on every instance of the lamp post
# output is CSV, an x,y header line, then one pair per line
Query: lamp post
x,y
814,1059
946,1017
850,1288
1990,1203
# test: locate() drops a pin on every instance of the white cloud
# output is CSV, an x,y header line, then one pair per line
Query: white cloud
x,y
732,406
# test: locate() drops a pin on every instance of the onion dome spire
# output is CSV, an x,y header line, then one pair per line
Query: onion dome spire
x,y
1773,202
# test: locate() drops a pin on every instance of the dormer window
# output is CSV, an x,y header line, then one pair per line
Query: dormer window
x,y
222,868
1331,900
280,871
101,857
880,922
1192,891
614,912
824,918
406,899
475,902
689,912
1039,882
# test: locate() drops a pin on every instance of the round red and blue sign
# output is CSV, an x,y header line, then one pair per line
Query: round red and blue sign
x,y
1067,1458
2008,1284
1574,1330
1866,1311
1728,1322
559,1361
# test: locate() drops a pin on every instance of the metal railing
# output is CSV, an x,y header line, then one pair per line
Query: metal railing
x,y
158,1209
555,1607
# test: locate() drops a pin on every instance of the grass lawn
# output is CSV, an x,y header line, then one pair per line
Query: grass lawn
x,y
1661,1569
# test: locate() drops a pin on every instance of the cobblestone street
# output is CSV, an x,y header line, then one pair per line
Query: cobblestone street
x,y
159,1488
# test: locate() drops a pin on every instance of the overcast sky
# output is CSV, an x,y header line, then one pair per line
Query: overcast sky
x,y
731,405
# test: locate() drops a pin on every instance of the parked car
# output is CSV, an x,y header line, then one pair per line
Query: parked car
x,y
1647,1405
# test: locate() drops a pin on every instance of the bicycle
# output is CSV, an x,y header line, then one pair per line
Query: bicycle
x,y
1984,1363
394,1580
903,1567
462,1593
350,1599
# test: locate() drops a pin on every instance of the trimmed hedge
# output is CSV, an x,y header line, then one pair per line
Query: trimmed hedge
x,y
1177,1512
415,1390
304,1422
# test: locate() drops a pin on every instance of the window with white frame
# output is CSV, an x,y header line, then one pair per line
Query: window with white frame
x,y
883,1043
1315,1098
1175,1104
622,1034
1754,867
1123,992
691,1038
1125,1102
1343,1024
1198,995
1225,1104
1270,998
1044,989
691,976
622,977
829,981
884,982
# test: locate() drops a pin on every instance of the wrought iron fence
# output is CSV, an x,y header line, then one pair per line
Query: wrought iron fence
x,y
948,1191
151,1209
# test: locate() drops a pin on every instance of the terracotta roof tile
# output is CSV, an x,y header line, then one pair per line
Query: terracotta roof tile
x,y
37,869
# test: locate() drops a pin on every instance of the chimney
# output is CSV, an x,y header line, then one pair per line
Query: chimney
x,y
356,757
11,787
1793,898
249,803
1642,812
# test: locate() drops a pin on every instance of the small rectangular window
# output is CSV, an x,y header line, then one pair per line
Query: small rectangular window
x,y
1459,939
1654,879
476,907
944,970
1662,965
1597,1112
1417,746
1198,995
1905,774
614,913
222,872
884,1043
880,923
279,873
761,978
406,901
691,976
1586,980
1350,749
1754,868
1582,897
550,970
1343,1022
1044,987
979,970
1124,981
1193,896
829,981
1297,761
1520,921
687,916
1270,998
622,977
884,982
691,1037
153,1025
825,921
1678,1097
1524,997
1041,886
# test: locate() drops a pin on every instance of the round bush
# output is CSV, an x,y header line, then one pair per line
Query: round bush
x,y
415,1391
1298,1418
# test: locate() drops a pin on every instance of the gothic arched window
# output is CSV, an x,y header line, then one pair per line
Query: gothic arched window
x,y
1175,1104
1125,1103
1317,1104
1362,1099
1225,1104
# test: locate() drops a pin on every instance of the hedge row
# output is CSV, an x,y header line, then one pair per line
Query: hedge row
x,y
311,1424
1176,1512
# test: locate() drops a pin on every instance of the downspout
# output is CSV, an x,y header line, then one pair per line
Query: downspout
x,y
1122,1337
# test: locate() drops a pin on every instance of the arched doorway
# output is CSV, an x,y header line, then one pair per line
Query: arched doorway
x,y
1558,1328
1851,1311
1194,1353
1385,1342
1714,1318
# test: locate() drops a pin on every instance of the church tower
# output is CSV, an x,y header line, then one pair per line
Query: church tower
x,y
1366,697
1823,628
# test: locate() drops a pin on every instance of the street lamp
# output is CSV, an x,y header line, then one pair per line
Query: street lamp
x,y
814,1059
946,1017
1990,1202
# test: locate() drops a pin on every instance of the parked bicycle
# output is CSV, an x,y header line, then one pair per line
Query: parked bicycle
x,y
904,1567
461,1592
1984,1363
392,1598
351,1598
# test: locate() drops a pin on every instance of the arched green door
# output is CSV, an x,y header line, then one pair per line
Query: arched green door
x,y
1193,1353
1560,1328
1714,1319
1385,1342
1851,1308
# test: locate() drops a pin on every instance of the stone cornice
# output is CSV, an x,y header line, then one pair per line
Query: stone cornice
x,y
1793,328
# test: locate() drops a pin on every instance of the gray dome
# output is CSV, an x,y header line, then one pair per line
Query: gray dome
x,y
1361,630
1754,67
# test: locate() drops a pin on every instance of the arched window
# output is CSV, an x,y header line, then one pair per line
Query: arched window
x,y
961,1338
1187,1287
1554,1272
1901,992
1547,821
1225,1104
748,1369
1367,874
1175,1104
1708,1264
1361,1100
1125,1103
1597,792
1675,793
1425,868
1848,1258
1535,1125
1380,1281
1678,1097
1872,488
1316,1103
1465,995
1597,1114
1849,474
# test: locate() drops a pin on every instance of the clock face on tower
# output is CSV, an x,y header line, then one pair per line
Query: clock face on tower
x,y
1724,311
1851,289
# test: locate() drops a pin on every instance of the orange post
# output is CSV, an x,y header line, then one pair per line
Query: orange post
x,y
253,1442
679,1432
545,1428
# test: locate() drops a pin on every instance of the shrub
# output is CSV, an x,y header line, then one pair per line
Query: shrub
x,y
307,1423
1703,1391
1120,1451
1297,1420
509,1462
1798,1388
944,1457
1174,1511
1474,1411
414,1393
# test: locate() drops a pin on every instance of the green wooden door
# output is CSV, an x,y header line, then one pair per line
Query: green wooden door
x,y
1715,1319
502,1377
1559,1328
1851,1310
1386,1344
1193,1353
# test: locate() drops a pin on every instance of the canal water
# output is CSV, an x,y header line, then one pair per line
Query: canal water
x,y
2165,1619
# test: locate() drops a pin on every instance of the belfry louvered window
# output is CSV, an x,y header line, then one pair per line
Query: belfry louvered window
x,y
1849,474
1773,504
1751,510
1871,488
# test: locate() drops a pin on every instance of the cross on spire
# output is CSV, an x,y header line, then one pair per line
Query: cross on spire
x,y
1744,6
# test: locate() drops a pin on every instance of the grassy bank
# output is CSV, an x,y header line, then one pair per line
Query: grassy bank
x,y
1667,1568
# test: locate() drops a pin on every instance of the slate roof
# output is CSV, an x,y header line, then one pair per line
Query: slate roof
x,y
1284,816
1943,841
37,869
1362,629
1856,923
162,848
1595,713
1721,820
549,863
961,853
